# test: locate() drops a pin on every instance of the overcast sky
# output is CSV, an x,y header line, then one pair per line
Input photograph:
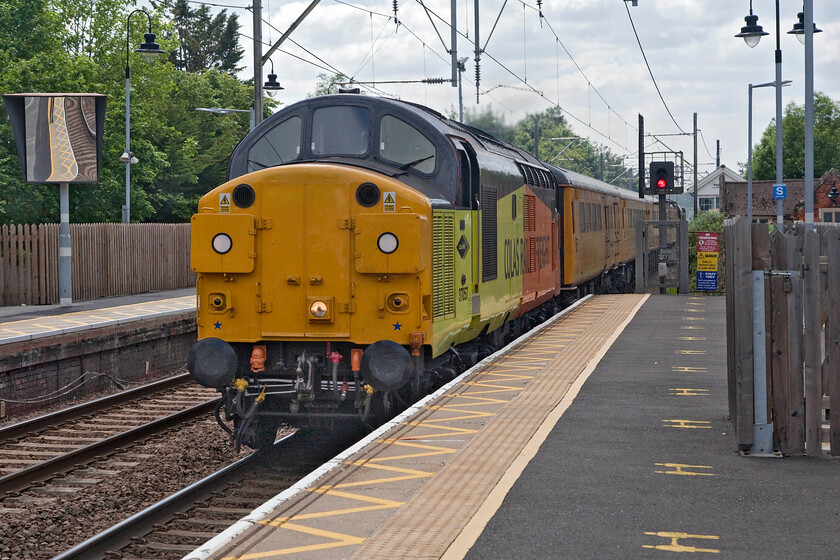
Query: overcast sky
x,y
596,72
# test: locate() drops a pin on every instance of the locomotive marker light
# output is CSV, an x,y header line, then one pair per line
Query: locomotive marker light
x,y
222,243
388,243
318,309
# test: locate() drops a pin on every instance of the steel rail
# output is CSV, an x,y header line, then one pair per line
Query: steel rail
x,y
143,522
24,478
74,412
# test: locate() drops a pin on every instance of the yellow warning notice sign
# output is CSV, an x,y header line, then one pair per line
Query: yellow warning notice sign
x,y
707,262
389,202
224,203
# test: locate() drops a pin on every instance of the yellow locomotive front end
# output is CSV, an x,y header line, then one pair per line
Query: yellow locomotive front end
x,y
314,294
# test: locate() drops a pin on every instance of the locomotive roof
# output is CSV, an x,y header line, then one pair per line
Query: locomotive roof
x,y
426,119
412,112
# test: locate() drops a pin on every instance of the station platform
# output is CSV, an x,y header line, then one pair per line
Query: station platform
x,y
602,434
22,323
50,354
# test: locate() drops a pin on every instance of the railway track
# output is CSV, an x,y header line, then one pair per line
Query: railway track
x,y
183,521
40,449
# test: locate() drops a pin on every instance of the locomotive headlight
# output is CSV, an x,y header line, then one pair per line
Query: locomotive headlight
x,y
222,243
318,309
388,243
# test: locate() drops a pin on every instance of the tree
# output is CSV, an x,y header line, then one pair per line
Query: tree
x,y
205,42
560,146
328,84
79,46
826,146
489,121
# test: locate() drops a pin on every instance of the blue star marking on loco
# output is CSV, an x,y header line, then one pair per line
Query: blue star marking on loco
x,y
218,325
397,326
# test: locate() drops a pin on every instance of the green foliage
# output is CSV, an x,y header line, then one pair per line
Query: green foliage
x,y
327,84
558,144
826,147
205,41
80,46
707,221
489,121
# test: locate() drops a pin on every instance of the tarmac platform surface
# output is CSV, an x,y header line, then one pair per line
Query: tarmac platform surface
x,y
585,440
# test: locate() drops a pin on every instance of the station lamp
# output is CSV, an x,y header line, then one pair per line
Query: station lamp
x,y
799,28
272,86
752,32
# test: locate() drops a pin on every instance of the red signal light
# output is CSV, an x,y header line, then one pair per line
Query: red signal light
x,y
661,183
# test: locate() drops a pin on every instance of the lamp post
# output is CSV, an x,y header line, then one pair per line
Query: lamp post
x,y
272,86
804,30
752,34
749,147
461,63
149,50
225,111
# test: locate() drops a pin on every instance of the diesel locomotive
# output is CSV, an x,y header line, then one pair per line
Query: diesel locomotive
x,y
365,250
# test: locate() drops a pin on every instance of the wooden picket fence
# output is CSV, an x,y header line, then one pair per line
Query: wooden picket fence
x,y
108,260
801,333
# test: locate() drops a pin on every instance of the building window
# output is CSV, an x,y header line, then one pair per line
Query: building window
x,y
707,203
830,216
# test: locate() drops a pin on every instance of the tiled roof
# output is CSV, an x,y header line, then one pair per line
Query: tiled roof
x,y
734,198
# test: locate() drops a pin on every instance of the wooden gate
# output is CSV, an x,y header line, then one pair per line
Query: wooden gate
x,y
799,275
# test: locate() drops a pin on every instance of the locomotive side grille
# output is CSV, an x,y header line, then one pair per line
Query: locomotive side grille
x,y
530,212
532,254
443,264
488,233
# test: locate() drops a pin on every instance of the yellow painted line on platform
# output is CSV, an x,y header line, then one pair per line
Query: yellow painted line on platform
x,y
694,318
687,392
691,338
692,327
84,318
682,469
340,539
689,352
475,526
675,546
687,424
689,369
460,404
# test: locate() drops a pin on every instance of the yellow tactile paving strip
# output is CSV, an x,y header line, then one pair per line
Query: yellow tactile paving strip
x,y
27,329
411,493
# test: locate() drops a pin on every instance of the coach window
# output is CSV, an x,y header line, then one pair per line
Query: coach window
x,y
280,144
403,144
341,131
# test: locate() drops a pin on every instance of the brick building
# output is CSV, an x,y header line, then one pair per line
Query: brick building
x,y
826,199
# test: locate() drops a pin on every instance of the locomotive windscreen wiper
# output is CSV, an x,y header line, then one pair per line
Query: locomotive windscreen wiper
x,y
409,165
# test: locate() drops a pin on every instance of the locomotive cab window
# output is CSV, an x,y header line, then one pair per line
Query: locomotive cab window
x,y
401,143
341,131
280,144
